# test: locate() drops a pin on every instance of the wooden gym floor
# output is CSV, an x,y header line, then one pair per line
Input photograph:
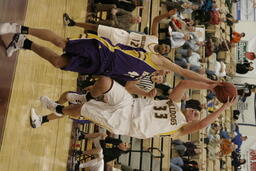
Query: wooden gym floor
x,y
26,77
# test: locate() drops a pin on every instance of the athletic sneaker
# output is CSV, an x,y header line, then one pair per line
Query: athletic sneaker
x,y
16,44
35,120
6,28
49,104
75,98
67,20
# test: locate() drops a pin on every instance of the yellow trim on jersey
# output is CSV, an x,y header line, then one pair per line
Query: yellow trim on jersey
x,y
144,56
172,132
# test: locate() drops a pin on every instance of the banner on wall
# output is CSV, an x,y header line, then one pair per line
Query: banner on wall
x,y
246,10
253,159
247,110
241,50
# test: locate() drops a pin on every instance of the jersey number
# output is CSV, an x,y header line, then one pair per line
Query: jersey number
x,y
135,43
161,115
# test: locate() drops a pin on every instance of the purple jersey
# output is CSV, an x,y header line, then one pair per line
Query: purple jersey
x,y
98,56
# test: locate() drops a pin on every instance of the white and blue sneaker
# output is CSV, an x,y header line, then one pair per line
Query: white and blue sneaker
x,y
35,119
49,104
6,28
16,44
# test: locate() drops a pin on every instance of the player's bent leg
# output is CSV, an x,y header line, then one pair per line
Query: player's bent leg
x,y
43,34
73,110
87,26
47,54
48,35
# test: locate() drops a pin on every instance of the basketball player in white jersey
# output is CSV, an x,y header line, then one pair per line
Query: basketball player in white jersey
x,y
116,35
141,118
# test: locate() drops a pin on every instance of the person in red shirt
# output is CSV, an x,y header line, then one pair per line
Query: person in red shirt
x,y
236,37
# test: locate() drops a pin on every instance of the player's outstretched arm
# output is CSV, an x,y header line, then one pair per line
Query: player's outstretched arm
x,y
197,125
178,92
164,63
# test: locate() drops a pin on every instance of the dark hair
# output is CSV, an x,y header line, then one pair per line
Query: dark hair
x,y
235,117
173,5
190,165
194,104
236,112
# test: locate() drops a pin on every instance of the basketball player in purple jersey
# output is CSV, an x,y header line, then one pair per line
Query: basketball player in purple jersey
x,y
94,56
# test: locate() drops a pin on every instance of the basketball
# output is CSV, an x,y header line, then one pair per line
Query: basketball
x,y
225,91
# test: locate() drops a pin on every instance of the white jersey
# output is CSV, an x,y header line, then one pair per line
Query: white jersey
x,y
156,117
116,35
140,118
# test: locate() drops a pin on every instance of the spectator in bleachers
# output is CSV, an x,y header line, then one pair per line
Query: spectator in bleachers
x,y
128,5
202,14
209,47
185,148
237,161
208,5
238,138
112,147
189,56
184,64
178,39
215,17
187,7
182,164
121,19
236,37
244,68
226,147
220,69
224,134
230,20
116,17
179,25
245,91
209,13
